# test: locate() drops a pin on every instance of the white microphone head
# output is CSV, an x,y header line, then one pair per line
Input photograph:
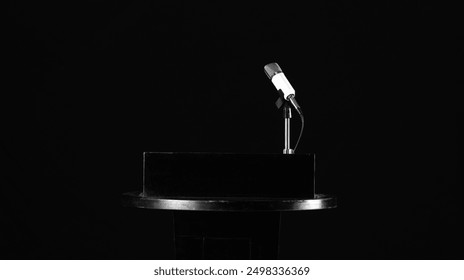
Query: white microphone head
x,y
279,80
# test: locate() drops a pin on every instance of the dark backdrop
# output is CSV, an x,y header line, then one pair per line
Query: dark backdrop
x,y
90,85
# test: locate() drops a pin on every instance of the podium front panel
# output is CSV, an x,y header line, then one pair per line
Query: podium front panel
x,y
215,175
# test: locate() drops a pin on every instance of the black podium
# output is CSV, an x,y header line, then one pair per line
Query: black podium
x,y
228,206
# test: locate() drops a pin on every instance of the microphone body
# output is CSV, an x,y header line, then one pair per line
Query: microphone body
x,y
281,83
275,74
277,77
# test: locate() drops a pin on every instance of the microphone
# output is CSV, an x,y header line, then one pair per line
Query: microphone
x,y
287,93
275,74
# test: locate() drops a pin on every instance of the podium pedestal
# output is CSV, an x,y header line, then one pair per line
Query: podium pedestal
x,y
227,228
226,235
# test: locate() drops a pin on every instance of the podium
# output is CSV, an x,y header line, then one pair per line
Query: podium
x,y
228,206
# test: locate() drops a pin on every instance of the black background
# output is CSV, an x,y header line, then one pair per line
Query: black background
x,y
90,85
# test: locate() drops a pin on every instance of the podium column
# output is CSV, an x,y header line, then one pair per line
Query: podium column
x,y
226,235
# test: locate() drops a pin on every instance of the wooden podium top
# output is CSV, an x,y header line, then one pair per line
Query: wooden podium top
x,y
232,204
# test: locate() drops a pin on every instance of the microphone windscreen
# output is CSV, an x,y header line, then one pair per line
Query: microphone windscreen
x,y
272,69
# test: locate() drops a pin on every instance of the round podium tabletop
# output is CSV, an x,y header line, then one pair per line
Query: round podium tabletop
x,y
239,204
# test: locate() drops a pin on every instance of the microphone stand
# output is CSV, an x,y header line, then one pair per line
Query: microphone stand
x,y
287,116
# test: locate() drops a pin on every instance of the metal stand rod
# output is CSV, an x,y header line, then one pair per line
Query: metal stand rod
x,y
287,117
